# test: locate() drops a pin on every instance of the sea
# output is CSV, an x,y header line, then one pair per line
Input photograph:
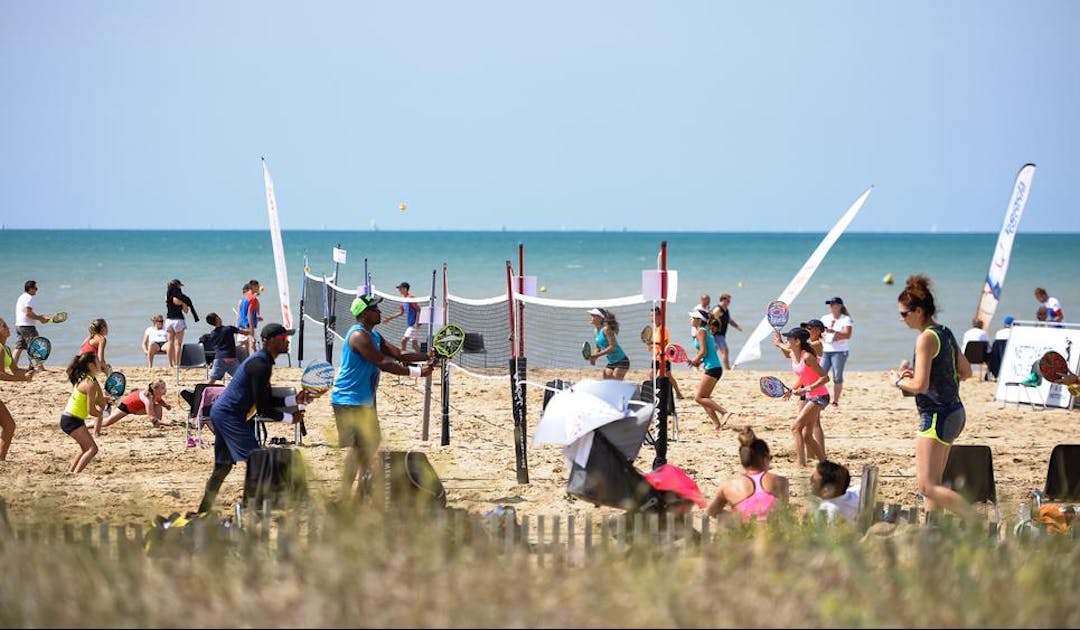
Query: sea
x,y
121,276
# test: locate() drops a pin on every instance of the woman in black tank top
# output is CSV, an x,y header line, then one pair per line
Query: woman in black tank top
x,y
934,379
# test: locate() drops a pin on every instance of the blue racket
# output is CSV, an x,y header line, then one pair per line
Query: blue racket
x,y
40,348
116,384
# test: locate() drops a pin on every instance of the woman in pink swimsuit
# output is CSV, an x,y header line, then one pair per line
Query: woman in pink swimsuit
x,y
810,388
756,492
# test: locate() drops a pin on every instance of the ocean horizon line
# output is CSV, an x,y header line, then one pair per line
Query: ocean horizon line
x,y
525,231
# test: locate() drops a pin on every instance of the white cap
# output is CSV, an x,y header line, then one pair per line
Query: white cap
x,y
698,314
596,311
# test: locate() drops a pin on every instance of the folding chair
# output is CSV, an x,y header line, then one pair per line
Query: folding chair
x,y
193,355
646,394
261,431
1028,385
1062,477
203,398
474,344
976,352
970,472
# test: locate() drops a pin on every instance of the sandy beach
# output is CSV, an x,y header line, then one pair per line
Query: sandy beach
x,y
141,470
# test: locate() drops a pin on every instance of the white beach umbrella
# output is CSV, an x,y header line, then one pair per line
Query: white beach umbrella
x,y
574,412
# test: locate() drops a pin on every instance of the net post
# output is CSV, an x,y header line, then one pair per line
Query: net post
x,y
664,385
445,373
303,294
427,381
328,338
517,399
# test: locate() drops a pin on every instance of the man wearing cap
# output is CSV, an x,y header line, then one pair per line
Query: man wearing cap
x,y
1006,329
234,436
411,311
838,324
363,357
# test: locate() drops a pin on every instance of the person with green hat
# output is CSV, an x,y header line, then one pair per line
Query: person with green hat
x,y
364,356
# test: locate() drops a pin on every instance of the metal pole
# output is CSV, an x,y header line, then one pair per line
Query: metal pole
x,y
445,374
427,381
303,293
664,389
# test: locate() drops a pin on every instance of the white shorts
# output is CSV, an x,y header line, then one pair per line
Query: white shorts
x,y
176,325
412,332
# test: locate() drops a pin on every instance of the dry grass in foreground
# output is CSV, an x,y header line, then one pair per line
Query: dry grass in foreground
x,y
345,569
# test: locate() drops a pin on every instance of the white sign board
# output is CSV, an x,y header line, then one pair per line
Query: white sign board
x,y
650,284
426,315
339,256
1026,346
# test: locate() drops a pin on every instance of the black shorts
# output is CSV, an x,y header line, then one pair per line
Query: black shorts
x,y
123,407
621,364
69,423
656,366
715,372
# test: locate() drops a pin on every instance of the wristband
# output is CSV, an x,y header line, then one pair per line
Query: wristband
x,y
290,401
414,370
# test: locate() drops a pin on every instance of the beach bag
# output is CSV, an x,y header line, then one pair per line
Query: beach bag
x,y
276,475
410,483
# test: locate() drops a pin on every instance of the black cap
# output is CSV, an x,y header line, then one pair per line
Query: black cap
x,y
813,323
799,333
270,331
835,300
403,285
177,282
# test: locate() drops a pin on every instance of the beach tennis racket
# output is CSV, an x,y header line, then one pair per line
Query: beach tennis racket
x,y
58,318
317,379
586,351
676,354
448,341
40,348
777,313
646,335
1053,367
115,385
773,387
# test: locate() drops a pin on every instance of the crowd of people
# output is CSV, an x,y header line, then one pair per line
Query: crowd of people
x,y
817,350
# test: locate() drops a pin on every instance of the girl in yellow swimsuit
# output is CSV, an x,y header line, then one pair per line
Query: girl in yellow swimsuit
x,y
86,400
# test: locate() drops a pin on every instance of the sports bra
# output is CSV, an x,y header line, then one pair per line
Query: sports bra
x,y
758,504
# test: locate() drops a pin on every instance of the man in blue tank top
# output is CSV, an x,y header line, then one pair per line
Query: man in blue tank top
x,y
234,436
365,355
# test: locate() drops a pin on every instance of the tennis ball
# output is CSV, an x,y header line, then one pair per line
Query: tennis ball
x,y
543,289
888,279
402,206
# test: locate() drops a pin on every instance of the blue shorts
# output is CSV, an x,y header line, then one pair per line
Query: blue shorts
x,y
234,439
721,342
222,367
942,425
835,360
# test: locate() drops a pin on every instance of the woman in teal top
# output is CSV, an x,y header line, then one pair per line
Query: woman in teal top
x,y
707,358
8,372
607,344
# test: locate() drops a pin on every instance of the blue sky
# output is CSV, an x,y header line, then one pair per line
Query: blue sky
x,y
647,116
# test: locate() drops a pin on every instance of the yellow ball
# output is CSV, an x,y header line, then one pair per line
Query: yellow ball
x,y
543,289
740,284
887,279
402,206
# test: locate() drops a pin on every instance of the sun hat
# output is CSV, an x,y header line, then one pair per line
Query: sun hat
x,y
698,314
595,311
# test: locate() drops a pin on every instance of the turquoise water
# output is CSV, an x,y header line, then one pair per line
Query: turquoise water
x,y
121,275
